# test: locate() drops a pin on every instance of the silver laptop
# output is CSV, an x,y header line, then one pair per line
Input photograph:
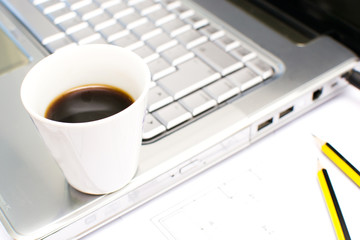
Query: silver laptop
x,y
225,74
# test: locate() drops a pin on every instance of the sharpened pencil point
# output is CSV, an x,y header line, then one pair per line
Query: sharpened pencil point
x,y
319,164
318,141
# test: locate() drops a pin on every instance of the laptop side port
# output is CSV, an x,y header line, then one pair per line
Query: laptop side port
x,y
317,94
286,112
264,124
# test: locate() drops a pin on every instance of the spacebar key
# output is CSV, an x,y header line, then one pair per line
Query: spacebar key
x,y
190,76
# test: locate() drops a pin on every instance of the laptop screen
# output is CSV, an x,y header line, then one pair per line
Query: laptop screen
x,y
339,19
304,19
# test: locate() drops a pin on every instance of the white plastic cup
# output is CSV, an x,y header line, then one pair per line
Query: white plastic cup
x,y
101,156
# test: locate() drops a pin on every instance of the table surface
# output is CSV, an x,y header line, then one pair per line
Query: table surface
x,y
267,191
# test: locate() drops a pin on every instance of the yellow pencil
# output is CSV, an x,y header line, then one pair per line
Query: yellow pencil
x,y
339,160
333,205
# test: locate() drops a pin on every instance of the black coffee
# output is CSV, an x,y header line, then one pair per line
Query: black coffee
x,y
88,103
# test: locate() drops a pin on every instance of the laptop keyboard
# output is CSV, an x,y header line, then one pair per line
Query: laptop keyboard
x,y
195,64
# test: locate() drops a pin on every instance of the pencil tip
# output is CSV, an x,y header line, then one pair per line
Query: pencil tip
x,y
319,164
318,141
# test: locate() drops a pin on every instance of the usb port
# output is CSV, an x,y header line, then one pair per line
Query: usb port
x,y
286,112
265,124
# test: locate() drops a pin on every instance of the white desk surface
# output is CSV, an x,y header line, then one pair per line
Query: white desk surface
x,y
267,191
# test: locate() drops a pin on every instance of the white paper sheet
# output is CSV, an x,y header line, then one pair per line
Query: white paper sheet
x,y
268,191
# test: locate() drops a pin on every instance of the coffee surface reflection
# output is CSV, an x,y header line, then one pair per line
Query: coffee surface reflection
x,y
88,103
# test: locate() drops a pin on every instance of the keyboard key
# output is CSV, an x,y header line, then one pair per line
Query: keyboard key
x,y
172,115
99,40
89,11
133,2
171,4
160,68
161,16
177,55
76,4
107,3
73,25
146,7
217,58
176,27
152,127
85,35
132,20
101,21
190,76
58,44
196,21
157,98
212,32
37,2
260,67
161,42
51,6
183,11
146,53
61,15
191,38
146,31
198,102
114,31
244,79
129,41
222,90
227,43
243,53
119,10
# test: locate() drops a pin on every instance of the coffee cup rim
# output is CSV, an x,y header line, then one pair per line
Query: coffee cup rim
x,y
146,74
